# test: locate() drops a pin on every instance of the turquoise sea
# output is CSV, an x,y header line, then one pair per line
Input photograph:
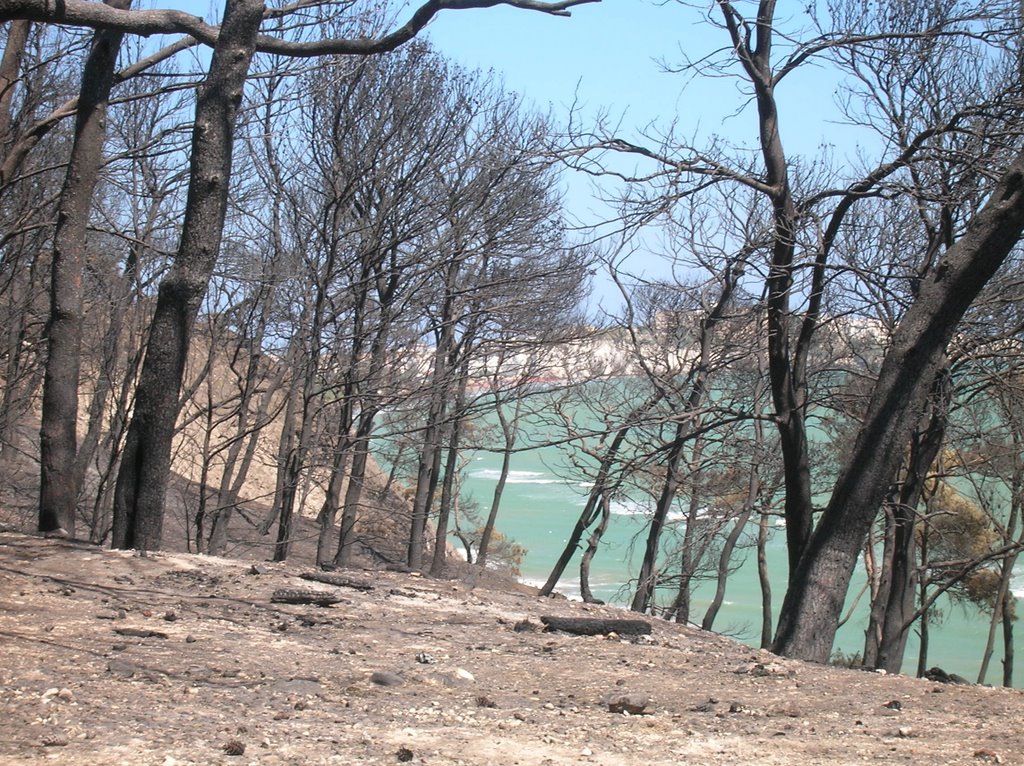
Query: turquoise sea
x,y
539,509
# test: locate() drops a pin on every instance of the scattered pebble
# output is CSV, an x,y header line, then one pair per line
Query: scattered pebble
x,y
234,747
385,678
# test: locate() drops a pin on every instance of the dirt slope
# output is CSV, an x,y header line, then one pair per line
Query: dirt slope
x,y
107,658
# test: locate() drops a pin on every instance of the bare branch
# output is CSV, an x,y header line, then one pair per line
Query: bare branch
x,y
83,13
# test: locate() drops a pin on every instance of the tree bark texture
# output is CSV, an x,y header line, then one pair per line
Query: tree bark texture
x,y
58,437
810,612
145,463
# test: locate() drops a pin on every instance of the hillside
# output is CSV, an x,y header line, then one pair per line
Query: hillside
x,y
175,659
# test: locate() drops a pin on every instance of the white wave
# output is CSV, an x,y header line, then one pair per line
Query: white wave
x,y
1017,580
514,477
634,508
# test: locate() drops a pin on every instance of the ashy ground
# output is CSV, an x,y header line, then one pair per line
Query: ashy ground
x,y
168,659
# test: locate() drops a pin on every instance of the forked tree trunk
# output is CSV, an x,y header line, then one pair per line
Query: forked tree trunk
x,y
145,463
811,610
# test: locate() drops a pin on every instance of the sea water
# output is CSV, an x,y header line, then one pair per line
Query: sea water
x,y
539,509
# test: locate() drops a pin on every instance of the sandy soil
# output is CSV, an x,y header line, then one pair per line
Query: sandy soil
x,y
109,658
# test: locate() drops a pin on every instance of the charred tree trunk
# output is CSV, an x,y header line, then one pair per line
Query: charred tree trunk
x,y
449,487
814,599
648,569
589,513
145,463
58,438
899,608
354,491
10,67
508,430
592,544
764,580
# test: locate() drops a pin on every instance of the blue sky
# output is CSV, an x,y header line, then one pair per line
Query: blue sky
x,y
605,58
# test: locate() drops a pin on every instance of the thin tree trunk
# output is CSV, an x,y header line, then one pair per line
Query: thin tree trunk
x,y
753,493
508,430
449,487
1007,643
592,545
764,579
996,619
590,510
145,463
648,569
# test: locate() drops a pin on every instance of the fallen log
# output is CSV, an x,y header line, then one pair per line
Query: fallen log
x,y
340,580
300,596
596,626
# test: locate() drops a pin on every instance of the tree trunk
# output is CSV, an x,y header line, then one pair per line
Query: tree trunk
x,y
899,608
724,561
332,497
10,68
508,430
753,493
449,488
764,579
811,609
354,492
58,438
648,569
588,555
145,463
590,510
1008,643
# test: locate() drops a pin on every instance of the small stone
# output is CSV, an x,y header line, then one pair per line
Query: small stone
x,y
586,752
525,626
988,756
424,659
384,678
234,747
258,569
190,639
404,755
629,704
170,616
905,732
457,678
55,740
894,705
484,701
65,695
